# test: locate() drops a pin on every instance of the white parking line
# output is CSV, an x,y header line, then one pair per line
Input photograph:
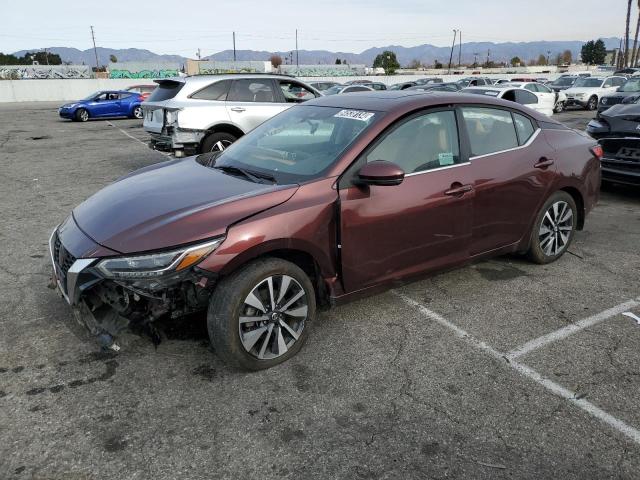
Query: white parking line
x,y
571,329
524,370
136,139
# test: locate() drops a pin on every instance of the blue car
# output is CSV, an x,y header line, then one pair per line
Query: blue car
x,y
107,103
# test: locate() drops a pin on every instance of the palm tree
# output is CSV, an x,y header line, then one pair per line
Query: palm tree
x,y
626,35
634,54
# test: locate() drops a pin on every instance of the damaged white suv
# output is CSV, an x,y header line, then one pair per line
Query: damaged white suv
x,y
207,113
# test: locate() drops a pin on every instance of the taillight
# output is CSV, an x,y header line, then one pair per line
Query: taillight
x,y
141,98
598,152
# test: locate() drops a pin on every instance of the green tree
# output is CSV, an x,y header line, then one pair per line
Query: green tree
x,y
542,60
515,62
437,65
338,61
593,52
113,59
388,61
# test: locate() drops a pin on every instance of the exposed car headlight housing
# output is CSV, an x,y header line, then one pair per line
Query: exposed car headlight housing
x,y
170,117
157,264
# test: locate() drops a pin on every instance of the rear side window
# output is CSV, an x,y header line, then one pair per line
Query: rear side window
x,y
165,90
490,130
524,127
524,97
250,90
215,91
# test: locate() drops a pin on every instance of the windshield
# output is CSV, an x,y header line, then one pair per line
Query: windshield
x,y
92,96
588,82
631,85
563,82
299,144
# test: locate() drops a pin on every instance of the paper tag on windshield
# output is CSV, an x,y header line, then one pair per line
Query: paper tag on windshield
x,y
355,115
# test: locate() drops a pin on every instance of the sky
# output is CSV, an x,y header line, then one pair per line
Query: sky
x,y
181,27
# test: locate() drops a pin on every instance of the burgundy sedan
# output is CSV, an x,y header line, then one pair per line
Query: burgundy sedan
x,y
328,201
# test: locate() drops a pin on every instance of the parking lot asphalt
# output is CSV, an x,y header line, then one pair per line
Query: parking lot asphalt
x,y
502,369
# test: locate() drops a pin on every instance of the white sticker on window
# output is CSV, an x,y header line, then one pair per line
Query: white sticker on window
x,y
355,115
491,93
445,158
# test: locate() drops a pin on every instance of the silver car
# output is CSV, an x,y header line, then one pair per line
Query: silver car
x,y
207,113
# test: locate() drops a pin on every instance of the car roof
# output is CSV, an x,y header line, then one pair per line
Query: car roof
x,y
406,101
207,79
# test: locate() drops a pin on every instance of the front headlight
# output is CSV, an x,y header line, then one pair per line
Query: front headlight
x,y
578,95
157,264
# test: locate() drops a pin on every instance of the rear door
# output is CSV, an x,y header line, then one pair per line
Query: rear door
x,y
512,165
251,101
390,232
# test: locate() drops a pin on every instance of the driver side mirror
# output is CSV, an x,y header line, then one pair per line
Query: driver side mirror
x,y
380,173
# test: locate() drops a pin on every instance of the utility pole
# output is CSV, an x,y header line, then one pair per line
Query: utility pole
x,y
234,46
455,32
475,59
460,50
488,55
198,54
46,56
297,57
95,51
548,53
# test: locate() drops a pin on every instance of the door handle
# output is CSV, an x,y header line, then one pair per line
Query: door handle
x,y
237,109
544,163
458,189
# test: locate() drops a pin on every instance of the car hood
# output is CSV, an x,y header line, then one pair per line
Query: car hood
x,y
630,111
172,203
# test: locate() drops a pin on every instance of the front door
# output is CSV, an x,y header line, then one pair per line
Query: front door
x,y
512,164
107,104
390,232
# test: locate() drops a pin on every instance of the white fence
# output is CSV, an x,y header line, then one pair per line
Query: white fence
x,y
67,90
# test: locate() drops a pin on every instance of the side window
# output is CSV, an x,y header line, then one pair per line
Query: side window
x,y
295,92
608,83
524,97
215,91
250,90
531,87
524,127
544,89
617,82
490,130
424,142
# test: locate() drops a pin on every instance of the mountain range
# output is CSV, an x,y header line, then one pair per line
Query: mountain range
x,y
426,53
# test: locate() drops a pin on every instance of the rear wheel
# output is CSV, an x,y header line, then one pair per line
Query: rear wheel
x,y
217,142
592,104
257,316
554,228
137,112
81,115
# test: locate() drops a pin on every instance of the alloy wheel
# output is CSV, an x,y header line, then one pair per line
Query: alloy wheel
x,y
84,115
221,145
137,112
272,317
556,228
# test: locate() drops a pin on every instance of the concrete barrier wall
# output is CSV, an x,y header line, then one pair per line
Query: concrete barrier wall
x,y
72,89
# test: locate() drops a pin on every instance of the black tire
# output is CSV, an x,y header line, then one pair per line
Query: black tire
x,y
537,253
137,112
228,301
214,141
592,104
559,107
81,115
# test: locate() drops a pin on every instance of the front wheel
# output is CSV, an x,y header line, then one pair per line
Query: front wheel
x,y
257,316
554,228
592,104
81,115
559,107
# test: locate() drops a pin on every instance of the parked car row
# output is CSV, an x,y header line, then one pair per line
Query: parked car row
x,y
336,198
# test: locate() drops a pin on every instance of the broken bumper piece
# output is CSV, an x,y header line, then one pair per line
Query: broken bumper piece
x,y
105,307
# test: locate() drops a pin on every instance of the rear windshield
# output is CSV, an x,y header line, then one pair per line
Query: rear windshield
x,y
588,82
166,89
563,82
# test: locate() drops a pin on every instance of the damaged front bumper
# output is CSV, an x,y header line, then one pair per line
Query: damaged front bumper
x,y
106,307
